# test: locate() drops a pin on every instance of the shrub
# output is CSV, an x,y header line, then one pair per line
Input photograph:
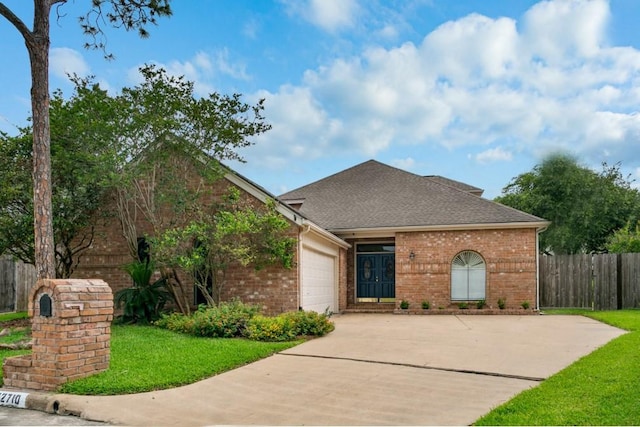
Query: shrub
x,y
502,303
144,301
262,328
176,322
310,323
235,319
525,305
404,304
227,320
425,305
480,304
463,305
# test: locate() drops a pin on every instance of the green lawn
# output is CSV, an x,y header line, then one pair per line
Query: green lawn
x,y
13,337
602,388
145,358
4,317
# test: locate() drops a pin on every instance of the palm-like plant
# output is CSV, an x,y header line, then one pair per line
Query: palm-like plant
x,y
144,301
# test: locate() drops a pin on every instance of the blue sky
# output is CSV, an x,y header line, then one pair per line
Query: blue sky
x,y
474,90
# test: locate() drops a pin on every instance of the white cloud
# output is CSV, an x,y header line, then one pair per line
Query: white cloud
x,y
549,82
491,155
64,61
250,29
301,129
564,30
330,15
225,66
407,163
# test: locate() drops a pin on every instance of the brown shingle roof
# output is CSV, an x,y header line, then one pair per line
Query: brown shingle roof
x,y
375,195
456,184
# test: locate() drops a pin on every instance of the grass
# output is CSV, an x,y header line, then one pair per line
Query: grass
x,y
145,358
5,317
12,337
602,388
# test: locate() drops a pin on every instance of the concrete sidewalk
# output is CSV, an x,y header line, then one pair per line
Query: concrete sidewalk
x,y
372,370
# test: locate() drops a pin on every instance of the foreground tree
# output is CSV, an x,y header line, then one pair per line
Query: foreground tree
x,y
82,165
171,145
130,14
231,233
155,148
584,206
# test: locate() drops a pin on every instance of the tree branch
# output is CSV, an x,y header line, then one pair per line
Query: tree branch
x,y
16,22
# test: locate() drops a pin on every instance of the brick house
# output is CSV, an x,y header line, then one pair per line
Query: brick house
x,y
423,238
311,285
368,238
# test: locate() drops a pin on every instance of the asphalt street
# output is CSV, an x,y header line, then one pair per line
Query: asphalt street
x,y
26,417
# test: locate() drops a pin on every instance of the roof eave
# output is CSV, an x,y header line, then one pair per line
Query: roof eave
x,y
326,234
391,231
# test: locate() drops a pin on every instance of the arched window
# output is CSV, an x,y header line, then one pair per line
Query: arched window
x,y
468,277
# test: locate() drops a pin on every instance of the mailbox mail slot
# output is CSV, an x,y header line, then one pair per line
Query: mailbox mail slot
x,y
45,306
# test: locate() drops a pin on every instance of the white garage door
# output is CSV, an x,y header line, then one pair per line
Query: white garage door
x,y
318,281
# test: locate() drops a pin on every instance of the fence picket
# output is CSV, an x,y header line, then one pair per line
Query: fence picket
x,y
598,281
16,280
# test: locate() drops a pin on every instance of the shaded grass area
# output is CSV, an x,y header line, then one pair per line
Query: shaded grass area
x,y
5,317
14,336
146,358
602,388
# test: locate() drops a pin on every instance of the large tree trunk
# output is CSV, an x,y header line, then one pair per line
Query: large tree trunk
x,y
38,47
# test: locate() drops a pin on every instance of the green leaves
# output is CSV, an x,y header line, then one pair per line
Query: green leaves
x,y
164,111
144,301
233,232
131,15
625,240
82,159
584,207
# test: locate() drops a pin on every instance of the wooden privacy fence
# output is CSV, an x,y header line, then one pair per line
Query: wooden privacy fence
x,y
16,280
598,281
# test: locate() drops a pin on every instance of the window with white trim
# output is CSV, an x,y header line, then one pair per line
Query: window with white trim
x,y
468,277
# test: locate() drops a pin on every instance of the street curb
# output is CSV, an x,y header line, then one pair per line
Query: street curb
x,y
36,401
40,402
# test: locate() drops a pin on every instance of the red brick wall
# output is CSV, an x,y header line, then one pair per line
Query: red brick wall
x,y
72,342
274,289
509,254
343,279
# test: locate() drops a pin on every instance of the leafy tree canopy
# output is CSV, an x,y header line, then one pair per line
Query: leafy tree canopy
x,y
233,233
584,206
625,240
143,144
82,164
128,14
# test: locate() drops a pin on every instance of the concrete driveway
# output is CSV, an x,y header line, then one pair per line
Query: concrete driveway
x,y
374,369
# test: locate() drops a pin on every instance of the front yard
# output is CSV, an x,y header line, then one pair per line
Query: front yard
x,y
145,358
602,388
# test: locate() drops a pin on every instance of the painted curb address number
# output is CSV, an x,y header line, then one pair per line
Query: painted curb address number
x,y
14,399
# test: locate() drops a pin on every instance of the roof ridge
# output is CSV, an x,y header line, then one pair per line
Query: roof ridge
x,y
283,195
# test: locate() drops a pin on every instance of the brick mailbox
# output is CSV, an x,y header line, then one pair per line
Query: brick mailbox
x,y
71,331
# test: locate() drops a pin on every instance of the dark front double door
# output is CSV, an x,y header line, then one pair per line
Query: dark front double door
x,y
376,278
